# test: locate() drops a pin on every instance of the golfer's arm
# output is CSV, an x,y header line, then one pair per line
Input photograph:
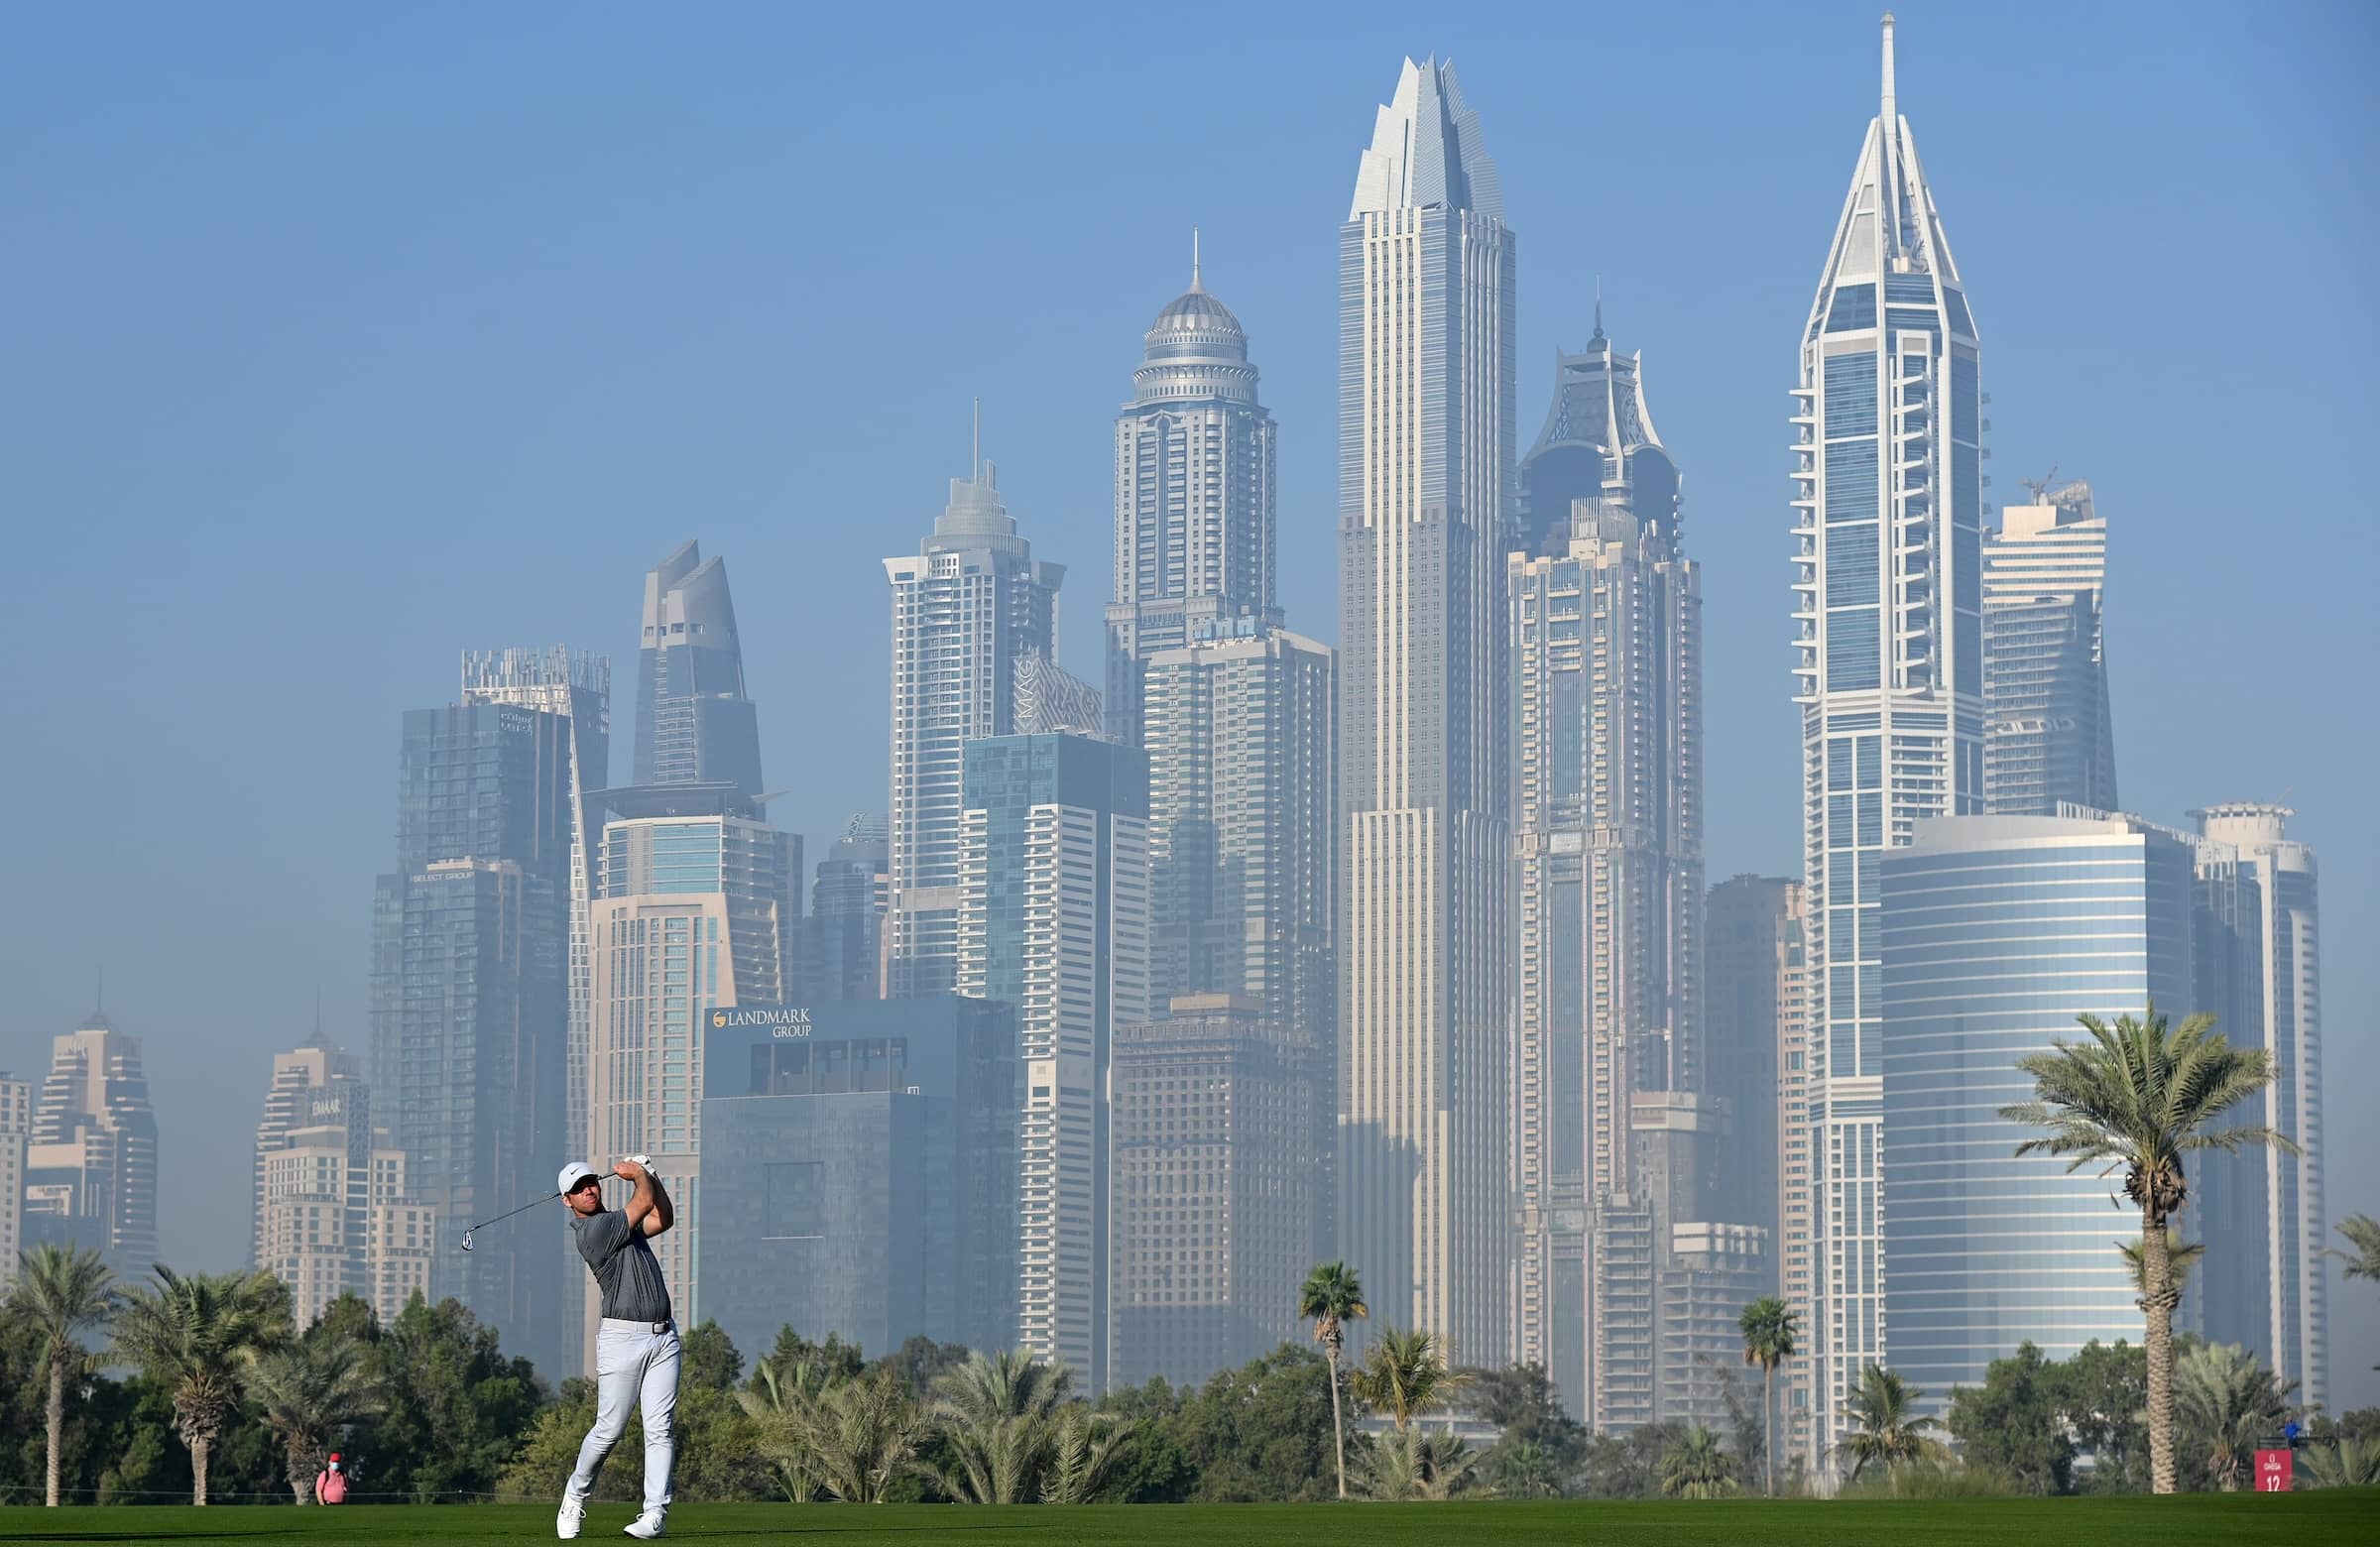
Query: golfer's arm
x,y
649,1210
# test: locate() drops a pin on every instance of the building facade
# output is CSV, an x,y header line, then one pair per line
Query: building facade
x,y
1887,427
1997,932
1215,1187
861,1181
848,898
16,1134
1053,920
966,610
470,995
694,723
2049,731
1194,497
2261,1212
1426,287
697,908
331,1213
91,1164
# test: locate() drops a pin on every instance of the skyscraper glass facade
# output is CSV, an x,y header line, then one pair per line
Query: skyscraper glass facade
x,y
2049,730
694,724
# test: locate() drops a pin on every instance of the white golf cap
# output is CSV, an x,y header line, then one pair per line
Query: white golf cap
x,y
574,1173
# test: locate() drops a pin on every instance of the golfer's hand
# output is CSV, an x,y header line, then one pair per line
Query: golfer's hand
x,y
628,1170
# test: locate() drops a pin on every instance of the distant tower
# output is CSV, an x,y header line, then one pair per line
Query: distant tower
x,y
848,898
1606,681
1426,287
966,610
1194,495
694,724
16,1132
2049,731
91,1168
1889,672
332,1215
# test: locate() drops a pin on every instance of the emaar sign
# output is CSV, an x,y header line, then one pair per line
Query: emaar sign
x,y
783,1020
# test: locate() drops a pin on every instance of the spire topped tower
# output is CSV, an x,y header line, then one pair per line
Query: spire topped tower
x,y
1887,638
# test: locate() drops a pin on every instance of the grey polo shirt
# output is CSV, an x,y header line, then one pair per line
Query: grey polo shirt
x,y
624,1267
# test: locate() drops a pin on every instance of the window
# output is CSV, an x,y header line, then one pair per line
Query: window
x,y
796,1201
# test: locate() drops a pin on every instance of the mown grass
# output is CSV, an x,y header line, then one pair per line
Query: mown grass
x,y
2232,1519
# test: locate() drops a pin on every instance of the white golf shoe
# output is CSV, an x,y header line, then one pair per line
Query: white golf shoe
x,y
566,1523
645,1526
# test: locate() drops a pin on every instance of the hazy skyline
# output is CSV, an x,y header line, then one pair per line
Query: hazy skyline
x,y
343,344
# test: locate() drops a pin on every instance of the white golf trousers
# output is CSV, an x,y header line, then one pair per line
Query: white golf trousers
x,y
635,1366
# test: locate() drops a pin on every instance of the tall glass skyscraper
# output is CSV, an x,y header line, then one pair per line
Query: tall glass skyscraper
x,y
1996,933
1194,481
1426,277
2261,1212
2049,730
969,610
848,897
470,995
694,724
1607,682
1889,667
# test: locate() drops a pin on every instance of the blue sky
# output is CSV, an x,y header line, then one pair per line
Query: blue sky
x,y
339,341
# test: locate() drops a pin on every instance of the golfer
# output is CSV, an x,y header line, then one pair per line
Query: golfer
x,y
636,1351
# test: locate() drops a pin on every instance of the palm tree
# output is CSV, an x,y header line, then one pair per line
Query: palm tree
x,y
2140,1097
193,1334
2182,1256
309,1390
1883,1429
2229,1403
1528,1472
1768,1341
61,1291
1408,1464
1330,1299
778,1402
2363,1234
2347,1464
996,1412
862,1436
1084,1451
1696,1468
1402,1374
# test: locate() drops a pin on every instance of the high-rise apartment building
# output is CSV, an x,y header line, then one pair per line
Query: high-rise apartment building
x,y
1215,1185
16,1133
1426,277
1889,673
1997,932
848,898
1053,920
966,610
1606,806
579,688
2049,733
1194,497
697,908
470,995
694,723
91,1165
331,1213
2261,1212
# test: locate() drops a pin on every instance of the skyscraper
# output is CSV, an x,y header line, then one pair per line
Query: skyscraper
x,y
1997,932
848,897
332,1215
1053,920
1194,495
697,906
579,688
1607,678
16,1133
2261,1212
966,608
1889,672
470,995
694,724
2049,734
1751,961
91,1167
1426,267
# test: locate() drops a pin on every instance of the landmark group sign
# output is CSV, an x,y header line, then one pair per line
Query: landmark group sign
x,y
783,1020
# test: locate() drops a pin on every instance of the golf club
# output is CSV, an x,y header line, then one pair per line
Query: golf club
x,y
501,1218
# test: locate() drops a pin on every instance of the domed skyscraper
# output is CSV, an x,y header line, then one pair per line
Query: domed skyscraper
x,y
1194,492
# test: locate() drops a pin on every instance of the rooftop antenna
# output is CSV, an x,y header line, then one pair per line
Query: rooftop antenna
x,y
1599,305
1194,279
1891,109
99,991
974,469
